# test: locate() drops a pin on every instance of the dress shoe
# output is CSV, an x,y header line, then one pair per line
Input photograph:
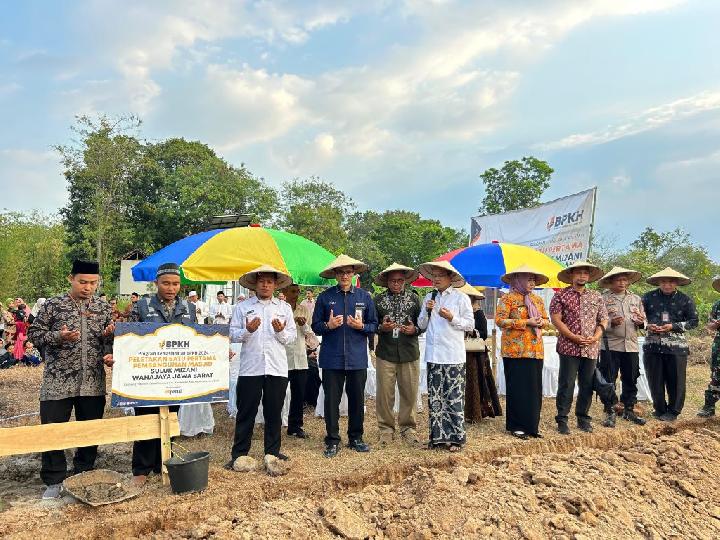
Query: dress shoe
x,y
630,416
359,446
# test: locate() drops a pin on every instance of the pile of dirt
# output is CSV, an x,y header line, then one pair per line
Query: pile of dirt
x,y
100,493
661,488
624,482
645,483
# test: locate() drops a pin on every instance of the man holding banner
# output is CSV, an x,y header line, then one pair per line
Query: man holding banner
x,y
163,307
264,325
75,332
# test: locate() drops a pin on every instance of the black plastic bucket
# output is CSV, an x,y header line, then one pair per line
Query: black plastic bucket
x,y
188,473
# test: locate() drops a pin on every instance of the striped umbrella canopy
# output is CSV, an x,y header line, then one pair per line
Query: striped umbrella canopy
x,y
223,255
484,264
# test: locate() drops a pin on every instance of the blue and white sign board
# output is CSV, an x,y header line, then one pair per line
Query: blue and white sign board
x,y
170,364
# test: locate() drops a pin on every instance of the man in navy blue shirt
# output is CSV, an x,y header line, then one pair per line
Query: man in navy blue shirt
x,y
344,317
162,307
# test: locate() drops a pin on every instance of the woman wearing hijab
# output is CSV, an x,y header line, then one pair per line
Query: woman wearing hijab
x,y
36,309
521,315
481,397
20,333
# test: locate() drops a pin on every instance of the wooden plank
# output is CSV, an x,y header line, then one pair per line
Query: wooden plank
x,y
165,448
493,353
42,438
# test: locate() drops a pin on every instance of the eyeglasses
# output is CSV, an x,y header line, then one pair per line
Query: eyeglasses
x,y
344,272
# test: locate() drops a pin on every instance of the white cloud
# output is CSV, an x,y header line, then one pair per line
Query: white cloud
x,y
325,143
706,163
436,87
443,85
647,120
251,105
621,180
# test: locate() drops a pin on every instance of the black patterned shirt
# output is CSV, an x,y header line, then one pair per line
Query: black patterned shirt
x,y
679,309
400,308
72,368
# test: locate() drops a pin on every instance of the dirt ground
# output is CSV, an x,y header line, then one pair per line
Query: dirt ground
x,y
659,481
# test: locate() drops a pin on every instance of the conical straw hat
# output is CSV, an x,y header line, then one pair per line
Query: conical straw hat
x,y
633,276
410,274
716,284
427,268
471,291
540,278
668,273
249,279
341,261
566,277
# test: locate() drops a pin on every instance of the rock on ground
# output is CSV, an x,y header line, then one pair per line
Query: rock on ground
x,y
245,464
275,466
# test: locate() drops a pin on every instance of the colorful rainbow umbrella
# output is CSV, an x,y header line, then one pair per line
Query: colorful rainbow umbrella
x,y
226,254
484,264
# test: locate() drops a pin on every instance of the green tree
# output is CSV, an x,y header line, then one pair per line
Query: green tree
x,y
182,184
400,236
98,170
32,256
652,251
517,185
405,237
127,194
317,210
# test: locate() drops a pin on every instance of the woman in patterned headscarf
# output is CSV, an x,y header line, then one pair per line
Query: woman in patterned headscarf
x,y
521,315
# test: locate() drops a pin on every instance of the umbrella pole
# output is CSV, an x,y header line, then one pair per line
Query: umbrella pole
x,y
493,343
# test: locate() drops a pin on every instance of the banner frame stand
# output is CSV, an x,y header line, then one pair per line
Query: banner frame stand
x,y
165,442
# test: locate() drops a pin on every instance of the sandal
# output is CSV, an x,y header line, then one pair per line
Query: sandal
x,y
453,448
520,435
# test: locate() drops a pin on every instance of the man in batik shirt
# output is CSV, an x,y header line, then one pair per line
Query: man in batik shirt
x,y
580,316
75,333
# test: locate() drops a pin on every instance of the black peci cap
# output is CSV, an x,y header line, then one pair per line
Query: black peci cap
x,y
85,267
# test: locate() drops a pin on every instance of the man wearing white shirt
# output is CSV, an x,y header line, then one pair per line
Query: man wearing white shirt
x,y
264,325
446,314
222,311
201,309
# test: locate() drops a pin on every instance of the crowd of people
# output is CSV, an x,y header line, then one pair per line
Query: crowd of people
x,y
327,341
15,347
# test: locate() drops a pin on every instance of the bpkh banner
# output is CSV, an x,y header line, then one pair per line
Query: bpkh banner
x,y
169,364
560,228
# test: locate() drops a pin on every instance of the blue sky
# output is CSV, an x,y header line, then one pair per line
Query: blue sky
x,y
402,104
